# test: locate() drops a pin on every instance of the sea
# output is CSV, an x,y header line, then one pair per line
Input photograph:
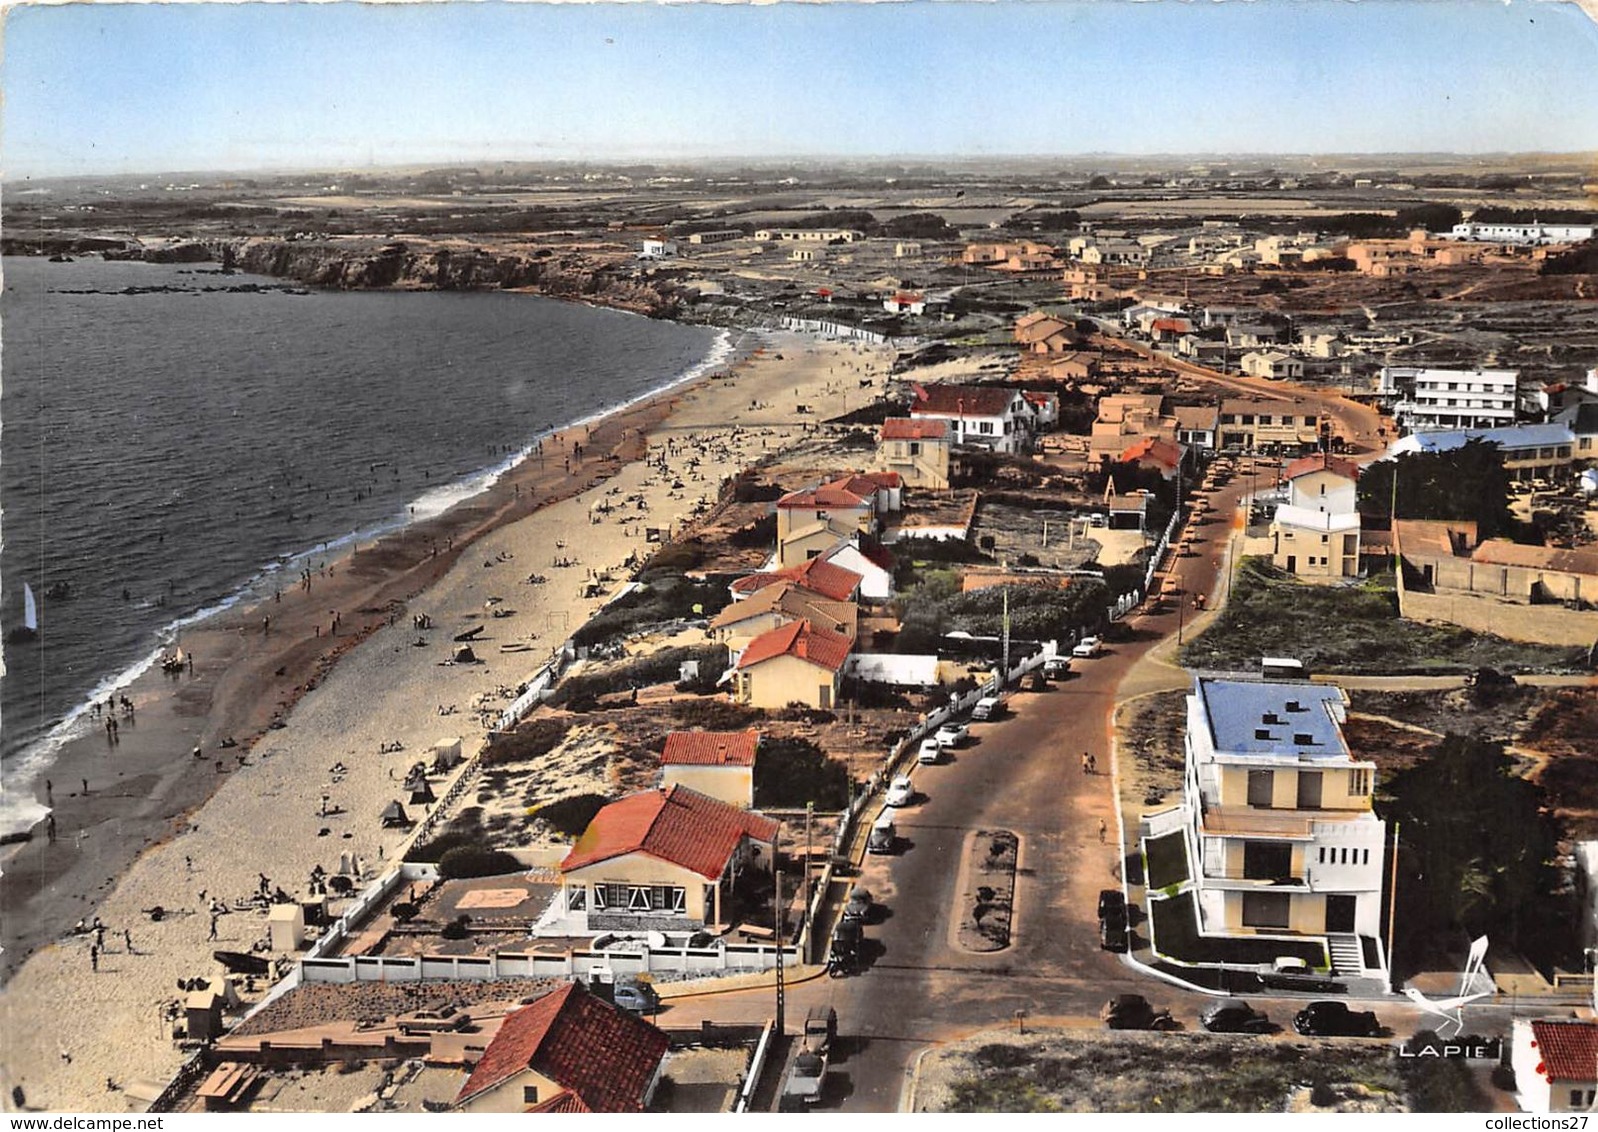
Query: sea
x,y
175,439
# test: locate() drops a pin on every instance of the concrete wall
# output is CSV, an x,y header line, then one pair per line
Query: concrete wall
x,y
708,961
1536,624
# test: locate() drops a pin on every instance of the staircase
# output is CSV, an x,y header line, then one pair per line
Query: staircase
x,y
1348,957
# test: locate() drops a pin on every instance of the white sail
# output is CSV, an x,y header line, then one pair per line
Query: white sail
x,y
30,608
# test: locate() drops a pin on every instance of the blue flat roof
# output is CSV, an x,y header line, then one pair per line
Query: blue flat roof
x,y
1269,717
1510,436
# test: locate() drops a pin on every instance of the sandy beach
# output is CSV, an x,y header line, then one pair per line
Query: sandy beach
x,y
160,826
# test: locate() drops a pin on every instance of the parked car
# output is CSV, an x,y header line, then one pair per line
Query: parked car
x,y
988,707
1113,934
844,957
930,751
1234,1016
857,910
1088,647
952,734
1332,1019
883,838
1057,667
900,791
635,997
1133,1012
1112,902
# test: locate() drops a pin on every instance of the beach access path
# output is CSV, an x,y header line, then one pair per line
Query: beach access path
x,y
72,1028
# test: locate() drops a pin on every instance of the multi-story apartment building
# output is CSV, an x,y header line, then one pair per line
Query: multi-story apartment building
x,y
1433,400
1288,426
1281,836
1315,534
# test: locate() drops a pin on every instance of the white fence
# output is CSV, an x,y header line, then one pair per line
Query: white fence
x,y
724,959
1130,601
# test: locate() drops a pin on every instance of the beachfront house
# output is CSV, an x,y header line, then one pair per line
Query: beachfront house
x,y
917,451
817,575
869,559
1315,534
1280,836
773,606
567,1052
996,417
717,764
661,860
797,663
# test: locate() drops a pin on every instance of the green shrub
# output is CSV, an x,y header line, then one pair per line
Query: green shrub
x,y
792,772
476,861
571,815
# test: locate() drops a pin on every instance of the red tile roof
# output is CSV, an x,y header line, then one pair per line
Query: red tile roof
x,y
1321,461
1174,325
562,1101
1567,1051
679,826
817,575
906,428
1155,451
867,483
963,400
604,1057
801,639
823,497
710,748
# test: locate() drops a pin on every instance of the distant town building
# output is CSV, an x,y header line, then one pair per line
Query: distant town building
x,y
1273,365
1441,399
1533,233
720,236
809,235
917,450
988,416
1265,424
658,249
1315,534
1530,451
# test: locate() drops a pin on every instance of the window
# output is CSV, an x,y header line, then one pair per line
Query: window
x,y
1267,860
1320,855
1267,909
637,898
529,1094
668,898
915,448
1261,787
577,899
1359,782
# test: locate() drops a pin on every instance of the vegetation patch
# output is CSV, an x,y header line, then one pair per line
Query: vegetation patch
x,y
1073,1071
990,858
663,598
1353,629
1037,613
791,773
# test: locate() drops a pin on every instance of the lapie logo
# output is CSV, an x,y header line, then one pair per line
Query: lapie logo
x,y
1462,1048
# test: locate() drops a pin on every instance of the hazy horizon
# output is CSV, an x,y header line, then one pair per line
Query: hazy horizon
x,y
158,89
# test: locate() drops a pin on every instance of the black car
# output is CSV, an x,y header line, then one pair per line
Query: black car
x,y
858,908
1133,1012
1112,903
1335,1020
1234,1016
1113,934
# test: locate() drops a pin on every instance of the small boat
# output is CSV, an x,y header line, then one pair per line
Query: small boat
x,y
29,629
241,963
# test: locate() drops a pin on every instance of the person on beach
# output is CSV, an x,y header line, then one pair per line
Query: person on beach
x,y
214,918
1103,831
49,827
94,957
127,940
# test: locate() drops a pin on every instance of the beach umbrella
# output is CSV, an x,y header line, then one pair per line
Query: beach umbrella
x,y
394,815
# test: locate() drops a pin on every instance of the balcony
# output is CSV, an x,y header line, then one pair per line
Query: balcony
x,y
1290,825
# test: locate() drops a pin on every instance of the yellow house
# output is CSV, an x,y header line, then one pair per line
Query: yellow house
x,y
1282,838
813,540
566,1052
796,663
717,764
662,860
1315,534
916,450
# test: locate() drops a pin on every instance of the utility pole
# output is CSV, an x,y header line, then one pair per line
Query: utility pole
x,y
776,916
1392,908
1004,674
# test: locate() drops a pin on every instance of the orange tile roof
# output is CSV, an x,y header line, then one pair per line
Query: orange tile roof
x,y
821,647
710,748
816,575
679,826
1321,461
604,1057
1162,452
563,1101
867,483
1563,560
908,428
1566,1051
825,496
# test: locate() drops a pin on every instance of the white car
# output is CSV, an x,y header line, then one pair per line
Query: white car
x,y
931,751
900,791
1088,647
952,735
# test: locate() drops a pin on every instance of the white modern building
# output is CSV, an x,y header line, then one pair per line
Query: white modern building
x,y
1533,233
1282,840
1431,400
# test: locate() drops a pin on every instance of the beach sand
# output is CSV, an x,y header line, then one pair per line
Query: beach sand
x,y
159,826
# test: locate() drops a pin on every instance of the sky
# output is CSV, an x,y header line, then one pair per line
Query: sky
x,y
147,88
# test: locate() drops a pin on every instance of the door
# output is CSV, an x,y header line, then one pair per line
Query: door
x,y
1292,563
1309,789
1261,787
1340,913
826,697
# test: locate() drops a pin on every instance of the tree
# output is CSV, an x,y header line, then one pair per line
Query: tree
x,y
1478,844
1432,217
1467,483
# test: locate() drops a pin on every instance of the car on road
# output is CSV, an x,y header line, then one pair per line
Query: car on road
x,y
900,791
635,997
930,751
1333,1019
805,1081
883,838
988,707
1112,902
952,734
857,910
1088,647
1133,1012
1057,667
1234,1016
1112,920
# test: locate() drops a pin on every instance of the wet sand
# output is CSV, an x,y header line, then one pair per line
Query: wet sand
x,y
159,826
